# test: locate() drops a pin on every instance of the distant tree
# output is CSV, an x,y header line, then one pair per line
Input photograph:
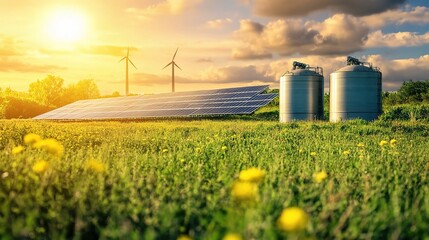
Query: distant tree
x,y
114,94
47,91
414,91
84,89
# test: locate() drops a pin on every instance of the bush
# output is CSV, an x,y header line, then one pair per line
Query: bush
x,y
13,107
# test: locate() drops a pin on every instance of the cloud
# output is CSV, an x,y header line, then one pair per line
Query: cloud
x,y
396,71
281,8
17,66
399,39
9,47
219,23
339,34
117,51
109,50
168,7
416,15
204,60
211,75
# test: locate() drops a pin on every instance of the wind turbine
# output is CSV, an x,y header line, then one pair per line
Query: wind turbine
x,y
172,63
127,59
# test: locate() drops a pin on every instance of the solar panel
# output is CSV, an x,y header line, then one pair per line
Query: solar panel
x,y
241,100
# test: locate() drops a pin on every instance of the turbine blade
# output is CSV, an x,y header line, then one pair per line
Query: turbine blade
x,y
122,59
177,66
167,65
132,63
175,54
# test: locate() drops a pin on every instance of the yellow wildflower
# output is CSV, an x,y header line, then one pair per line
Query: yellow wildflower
x,y
383,143
182,160
40,166
197,149
301,150
252,175
320,176
51,146
232,236
393,142
361,157
31,139
164,150
17,150
346,152
244,191
184,237
313,154
95,166
224,148
293,219
361,145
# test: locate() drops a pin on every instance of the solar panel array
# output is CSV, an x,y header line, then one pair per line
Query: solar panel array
x,y
242,100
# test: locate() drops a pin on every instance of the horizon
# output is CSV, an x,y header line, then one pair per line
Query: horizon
x,y
221,44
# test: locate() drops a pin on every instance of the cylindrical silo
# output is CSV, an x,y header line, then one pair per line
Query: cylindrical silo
x,y
301,93
355,92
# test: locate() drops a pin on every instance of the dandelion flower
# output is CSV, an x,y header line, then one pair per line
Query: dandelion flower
x,y
17,150
293,219
393,142
252,175
184,237
164,150
320,176
40,166
346,152
182,160
313,154
31,139
244,191
383,143
232,236
361,145
95,166
50,145
224,148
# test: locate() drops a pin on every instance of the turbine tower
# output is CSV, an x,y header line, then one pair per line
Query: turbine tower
x,y
172,63
127,59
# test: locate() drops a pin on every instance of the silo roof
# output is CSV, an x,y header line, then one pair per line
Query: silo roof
x,y
302,72
355,68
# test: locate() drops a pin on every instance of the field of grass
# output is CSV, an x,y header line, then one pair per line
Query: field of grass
x,y
166,179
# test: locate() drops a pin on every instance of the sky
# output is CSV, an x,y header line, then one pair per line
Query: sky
x,y
222,43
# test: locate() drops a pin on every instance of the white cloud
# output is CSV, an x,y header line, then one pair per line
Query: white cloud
x,y
399,39
219,23
339,34
416,15
168,7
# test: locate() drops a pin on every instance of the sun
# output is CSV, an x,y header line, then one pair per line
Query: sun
x,y
66,25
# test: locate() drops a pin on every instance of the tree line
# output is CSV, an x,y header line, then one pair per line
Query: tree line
x,y
45,95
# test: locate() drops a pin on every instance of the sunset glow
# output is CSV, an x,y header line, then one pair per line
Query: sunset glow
x,y
66,25
226,43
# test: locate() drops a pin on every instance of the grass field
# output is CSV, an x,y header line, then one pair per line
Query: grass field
x,y
171,179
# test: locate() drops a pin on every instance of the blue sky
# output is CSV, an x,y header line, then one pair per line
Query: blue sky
x,y
222,43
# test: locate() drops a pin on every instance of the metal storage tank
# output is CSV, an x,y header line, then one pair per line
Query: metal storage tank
x,y
355,92
301,93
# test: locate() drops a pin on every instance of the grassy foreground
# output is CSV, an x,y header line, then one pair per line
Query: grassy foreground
x,y
162,180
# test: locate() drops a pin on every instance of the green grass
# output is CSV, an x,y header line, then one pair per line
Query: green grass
x,y
168,178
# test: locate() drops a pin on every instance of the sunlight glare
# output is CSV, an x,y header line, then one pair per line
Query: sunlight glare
x,y
66,25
